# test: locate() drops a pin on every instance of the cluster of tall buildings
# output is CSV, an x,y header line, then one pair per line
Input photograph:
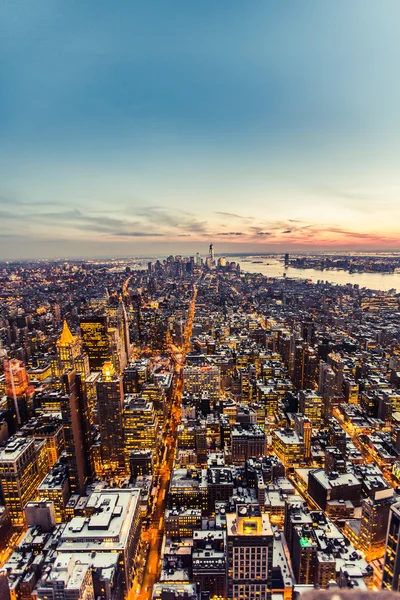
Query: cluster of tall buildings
x,y
189,431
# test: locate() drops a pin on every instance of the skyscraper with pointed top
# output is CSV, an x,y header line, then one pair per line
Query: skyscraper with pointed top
x,y
70,354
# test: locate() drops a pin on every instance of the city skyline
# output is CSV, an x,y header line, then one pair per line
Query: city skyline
x,y
136,129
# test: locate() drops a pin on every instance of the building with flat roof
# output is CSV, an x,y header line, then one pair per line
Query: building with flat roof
x,y
46,427
324,488
113,526
250,553
288,446
55,488
85,576
247,442
188,488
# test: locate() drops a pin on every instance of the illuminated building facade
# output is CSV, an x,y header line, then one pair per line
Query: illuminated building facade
x,y
247,442
70,354
118,319
305,368
250,552
203,378
374,520
95,341
311,406
46,427
288,446
188,489
304,555
18,390
180,522
21,471
55,488
110,403
140,427
135,375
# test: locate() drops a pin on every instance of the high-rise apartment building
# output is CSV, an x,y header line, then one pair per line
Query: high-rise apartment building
x,y
250,550
55,488
304,555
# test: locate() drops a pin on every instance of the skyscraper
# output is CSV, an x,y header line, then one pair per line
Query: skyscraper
x,y
110,401
140,427
95,341
18,390
70,354
75,416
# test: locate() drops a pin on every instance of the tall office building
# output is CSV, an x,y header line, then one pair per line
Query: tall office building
x,y
70,354
75,417
305,367
110,402
250,549
391,566
140,427
96,341
23,464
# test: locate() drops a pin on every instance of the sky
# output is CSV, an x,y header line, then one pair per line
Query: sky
x,y
153,127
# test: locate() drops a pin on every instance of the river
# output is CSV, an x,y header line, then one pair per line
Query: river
x,y
275,268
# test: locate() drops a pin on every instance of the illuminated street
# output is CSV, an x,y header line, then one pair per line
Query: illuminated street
x,y
154,533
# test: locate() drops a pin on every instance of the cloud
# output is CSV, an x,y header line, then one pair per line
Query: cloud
x,y
234,215
137,234
264,233
287,231
231,233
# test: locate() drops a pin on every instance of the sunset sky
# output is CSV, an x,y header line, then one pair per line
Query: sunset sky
x,y
152,127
